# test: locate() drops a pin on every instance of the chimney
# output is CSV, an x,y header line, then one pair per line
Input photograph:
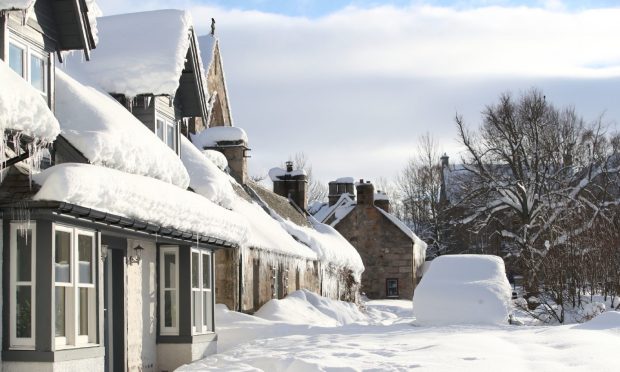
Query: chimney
x,y
444,160
338,187
291,184
233,143
365,193
382,201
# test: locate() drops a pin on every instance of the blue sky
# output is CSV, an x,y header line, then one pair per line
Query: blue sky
x,y
315,8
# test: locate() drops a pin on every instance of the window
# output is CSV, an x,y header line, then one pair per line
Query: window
x,y
166,130
75,286
22,283
29,63
392,287
169,289
201,290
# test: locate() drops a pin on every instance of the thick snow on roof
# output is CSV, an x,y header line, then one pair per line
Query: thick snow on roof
x,y
463,289
16,4
207,49
138,53
216,158
22,108
211,136
205,177
140,197
94,12
109,135
345,180
329,245
381,196
277,172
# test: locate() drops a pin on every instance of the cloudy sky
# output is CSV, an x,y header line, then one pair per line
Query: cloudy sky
x,y
353,84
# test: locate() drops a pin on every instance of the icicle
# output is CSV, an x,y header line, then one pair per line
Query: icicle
x,y
21,214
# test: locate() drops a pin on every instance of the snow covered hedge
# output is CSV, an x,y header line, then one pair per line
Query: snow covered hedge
x,y
463,289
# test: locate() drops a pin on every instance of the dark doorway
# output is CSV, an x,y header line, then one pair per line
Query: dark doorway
x,y
114,311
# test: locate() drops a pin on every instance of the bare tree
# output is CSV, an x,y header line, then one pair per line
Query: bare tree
x,y
541,177
418,188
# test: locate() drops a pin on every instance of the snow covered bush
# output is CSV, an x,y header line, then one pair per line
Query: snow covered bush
x,y
463,289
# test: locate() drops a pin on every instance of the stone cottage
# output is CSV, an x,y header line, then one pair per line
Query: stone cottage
x,y
392,254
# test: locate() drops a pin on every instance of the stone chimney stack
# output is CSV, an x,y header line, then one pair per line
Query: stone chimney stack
x,y
365,193
444,160
382,201
233,143
338,187
291,184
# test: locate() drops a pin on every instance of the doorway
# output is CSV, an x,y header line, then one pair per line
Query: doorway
x,y
114,310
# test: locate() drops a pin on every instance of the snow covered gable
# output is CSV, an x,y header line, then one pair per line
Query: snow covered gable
x,y
148,53
220,113
109,135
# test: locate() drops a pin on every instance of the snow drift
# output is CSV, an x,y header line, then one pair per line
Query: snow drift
x,y
463,289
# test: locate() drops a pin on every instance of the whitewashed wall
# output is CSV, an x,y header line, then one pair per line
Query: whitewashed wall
x,y
141,306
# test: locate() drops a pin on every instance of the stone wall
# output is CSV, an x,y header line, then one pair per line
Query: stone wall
x,y
386,251
215,83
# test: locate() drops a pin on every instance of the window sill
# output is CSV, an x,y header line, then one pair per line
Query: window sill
x,y
72,347
71,353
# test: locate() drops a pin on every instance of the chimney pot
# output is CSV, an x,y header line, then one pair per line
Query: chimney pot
x,y
289,166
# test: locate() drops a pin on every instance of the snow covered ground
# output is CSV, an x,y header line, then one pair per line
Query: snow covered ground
x,y
308,336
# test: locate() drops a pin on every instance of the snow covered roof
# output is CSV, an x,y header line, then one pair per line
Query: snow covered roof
x,y
22,108
139,53
380,195
268,230
211,136
134,196
207,49
339,209
277,173
349,180
109,135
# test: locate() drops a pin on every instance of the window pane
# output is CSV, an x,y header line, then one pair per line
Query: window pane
x,y
85,258
37,73
83,312
60,311
159,129
23,312
204,309
169,271
170,137
24,256
196,300
195,272
16,59
63,256
170,309
206,271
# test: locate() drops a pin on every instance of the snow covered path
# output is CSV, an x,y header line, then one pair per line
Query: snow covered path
x,y
388,342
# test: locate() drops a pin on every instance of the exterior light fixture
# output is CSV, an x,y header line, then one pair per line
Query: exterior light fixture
x,y
137,257
104,252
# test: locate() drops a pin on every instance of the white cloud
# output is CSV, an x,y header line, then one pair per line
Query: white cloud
x,y
355,88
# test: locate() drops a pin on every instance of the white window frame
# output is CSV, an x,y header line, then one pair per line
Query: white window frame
x,y
28,52
22,342
72,337
163,330
198,308
167,123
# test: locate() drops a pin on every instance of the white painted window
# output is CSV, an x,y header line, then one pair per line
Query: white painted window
x,y
75,313
29,62
22,283
201,290
169,290
166,130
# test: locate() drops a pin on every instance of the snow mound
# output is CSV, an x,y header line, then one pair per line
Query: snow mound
x,y
22,108
276,173
107,134
144,198
205,177
138,53
606,320
216,158
305,307
463,289
211,136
